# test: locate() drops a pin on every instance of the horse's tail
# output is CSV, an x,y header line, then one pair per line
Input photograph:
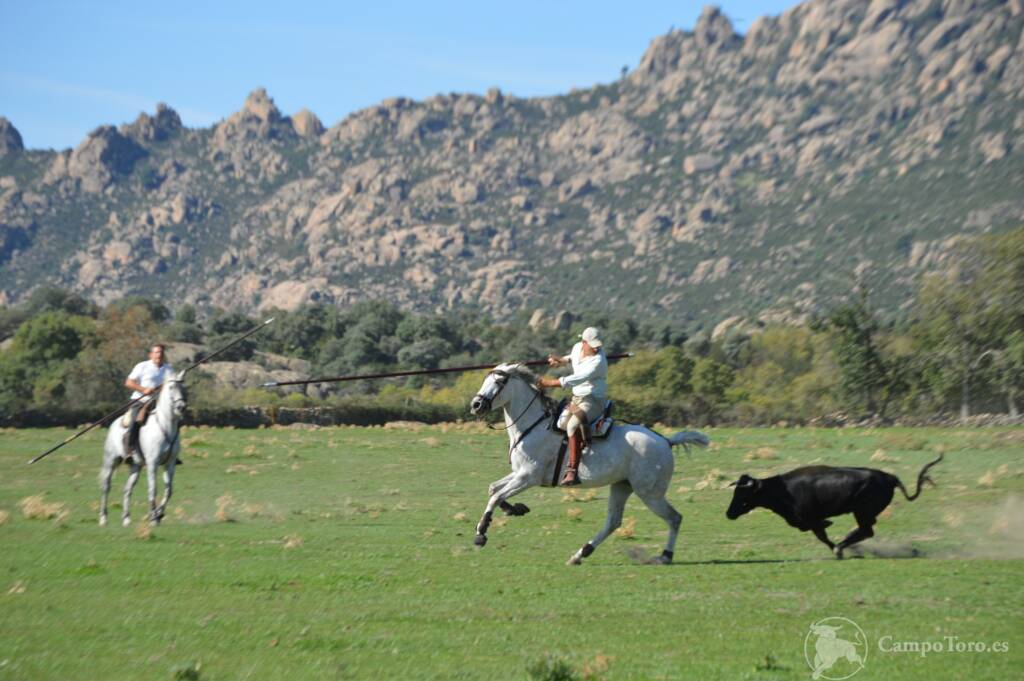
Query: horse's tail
x,y
689,437
922,477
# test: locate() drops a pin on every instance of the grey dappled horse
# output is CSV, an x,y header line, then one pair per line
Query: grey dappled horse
x,y
631,459
159,444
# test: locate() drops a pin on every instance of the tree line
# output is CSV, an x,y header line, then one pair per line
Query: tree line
x,y
959,349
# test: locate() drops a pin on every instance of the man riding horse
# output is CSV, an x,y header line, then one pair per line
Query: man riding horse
x,y
145,379
589,385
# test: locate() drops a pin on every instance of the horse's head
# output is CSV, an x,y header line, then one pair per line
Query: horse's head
x,y
492,393
174,389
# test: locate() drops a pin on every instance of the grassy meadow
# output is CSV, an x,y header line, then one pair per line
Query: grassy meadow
x,y
346,553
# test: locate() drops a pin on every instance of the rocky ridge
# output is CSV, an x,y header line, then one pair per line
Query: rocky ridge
x,y
726,175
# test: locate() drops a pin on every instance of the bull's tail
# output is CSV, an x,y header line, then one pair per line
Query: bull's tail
x,y
922,478
689,437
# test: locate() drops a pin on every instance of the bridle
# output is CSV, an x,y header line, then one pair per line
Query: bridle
x,y
501,379
183,399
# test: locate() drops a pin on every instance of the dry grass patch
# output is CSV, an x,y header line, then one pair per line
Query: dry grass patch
x,y
4,517
37,508
413,426
880,456
292,541
761,454
628,529
714,479
574,513
575,496
904,442
595,669
224,503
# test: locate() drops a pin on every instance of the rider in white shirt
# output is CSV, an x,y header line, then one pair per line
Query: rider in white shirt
x,y
589,386
144,379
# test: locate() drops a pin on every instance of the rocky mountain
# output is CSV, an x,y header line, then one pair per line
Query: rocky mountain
x,y
757,174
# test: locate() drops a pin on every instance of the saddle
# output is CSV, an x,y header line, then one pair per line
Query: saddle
x,y
142,415
595,430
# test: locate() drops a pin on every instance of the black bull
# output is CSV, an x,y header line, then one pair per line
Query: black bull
x,y
805,497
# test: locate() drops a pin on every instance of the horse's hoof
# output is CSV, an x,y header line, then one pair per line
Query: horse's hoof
x,y
518,509
838,553
480,540
575,560
660,560
103,521
126,522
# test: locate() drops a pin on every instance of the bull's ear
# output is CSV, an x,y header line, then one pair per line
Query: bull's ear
x,y
746,482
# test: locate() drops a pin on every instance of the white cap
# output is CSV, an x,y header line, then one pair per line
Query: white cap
x,y
592,336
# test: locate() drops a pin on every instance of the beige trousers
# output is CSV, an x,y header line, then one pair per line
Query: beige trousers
x,y
588,404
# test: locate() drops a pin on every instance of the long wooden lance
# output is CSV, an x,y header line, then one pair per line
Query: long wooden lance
x,y
418,372
121,409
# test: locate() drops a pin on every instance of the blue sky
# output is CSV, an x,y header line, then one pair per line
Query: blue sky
x,y
67,67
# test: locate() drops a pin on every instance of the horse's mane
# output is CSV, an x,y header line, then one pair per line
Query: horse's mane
x,y
524,373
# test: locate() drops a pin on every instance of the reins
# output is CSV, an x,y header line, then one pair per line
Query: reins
x,y
536,393
176,427
521,415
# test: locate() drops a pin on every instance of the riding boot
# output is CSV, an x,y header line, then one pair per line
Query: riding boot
x,y
131,441
571,476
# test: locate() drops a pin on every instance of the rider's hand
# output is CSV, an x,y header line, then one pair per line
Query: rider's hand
x,y
554,361
148,391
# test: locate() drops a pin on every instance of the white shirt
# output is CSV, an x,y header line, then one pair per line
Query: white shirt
x,y
149,375
589,374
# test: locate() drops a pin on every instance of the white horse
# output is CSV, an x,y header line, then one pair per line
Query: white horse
x,y
159,444
631,459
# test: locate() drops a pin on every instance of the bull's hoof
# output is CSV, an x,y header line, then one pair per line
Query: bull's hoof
x,y
480,540
838,553
664,559
517,510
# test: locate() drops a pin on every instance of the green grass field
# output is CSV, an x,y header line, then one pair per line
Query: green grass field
x,y
346,553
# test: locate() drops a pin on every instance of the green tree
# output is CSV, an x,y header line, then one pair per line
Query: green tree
x,y
184,327
123,337
424,354
51,337
41,352
711,380
157,311
866,382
